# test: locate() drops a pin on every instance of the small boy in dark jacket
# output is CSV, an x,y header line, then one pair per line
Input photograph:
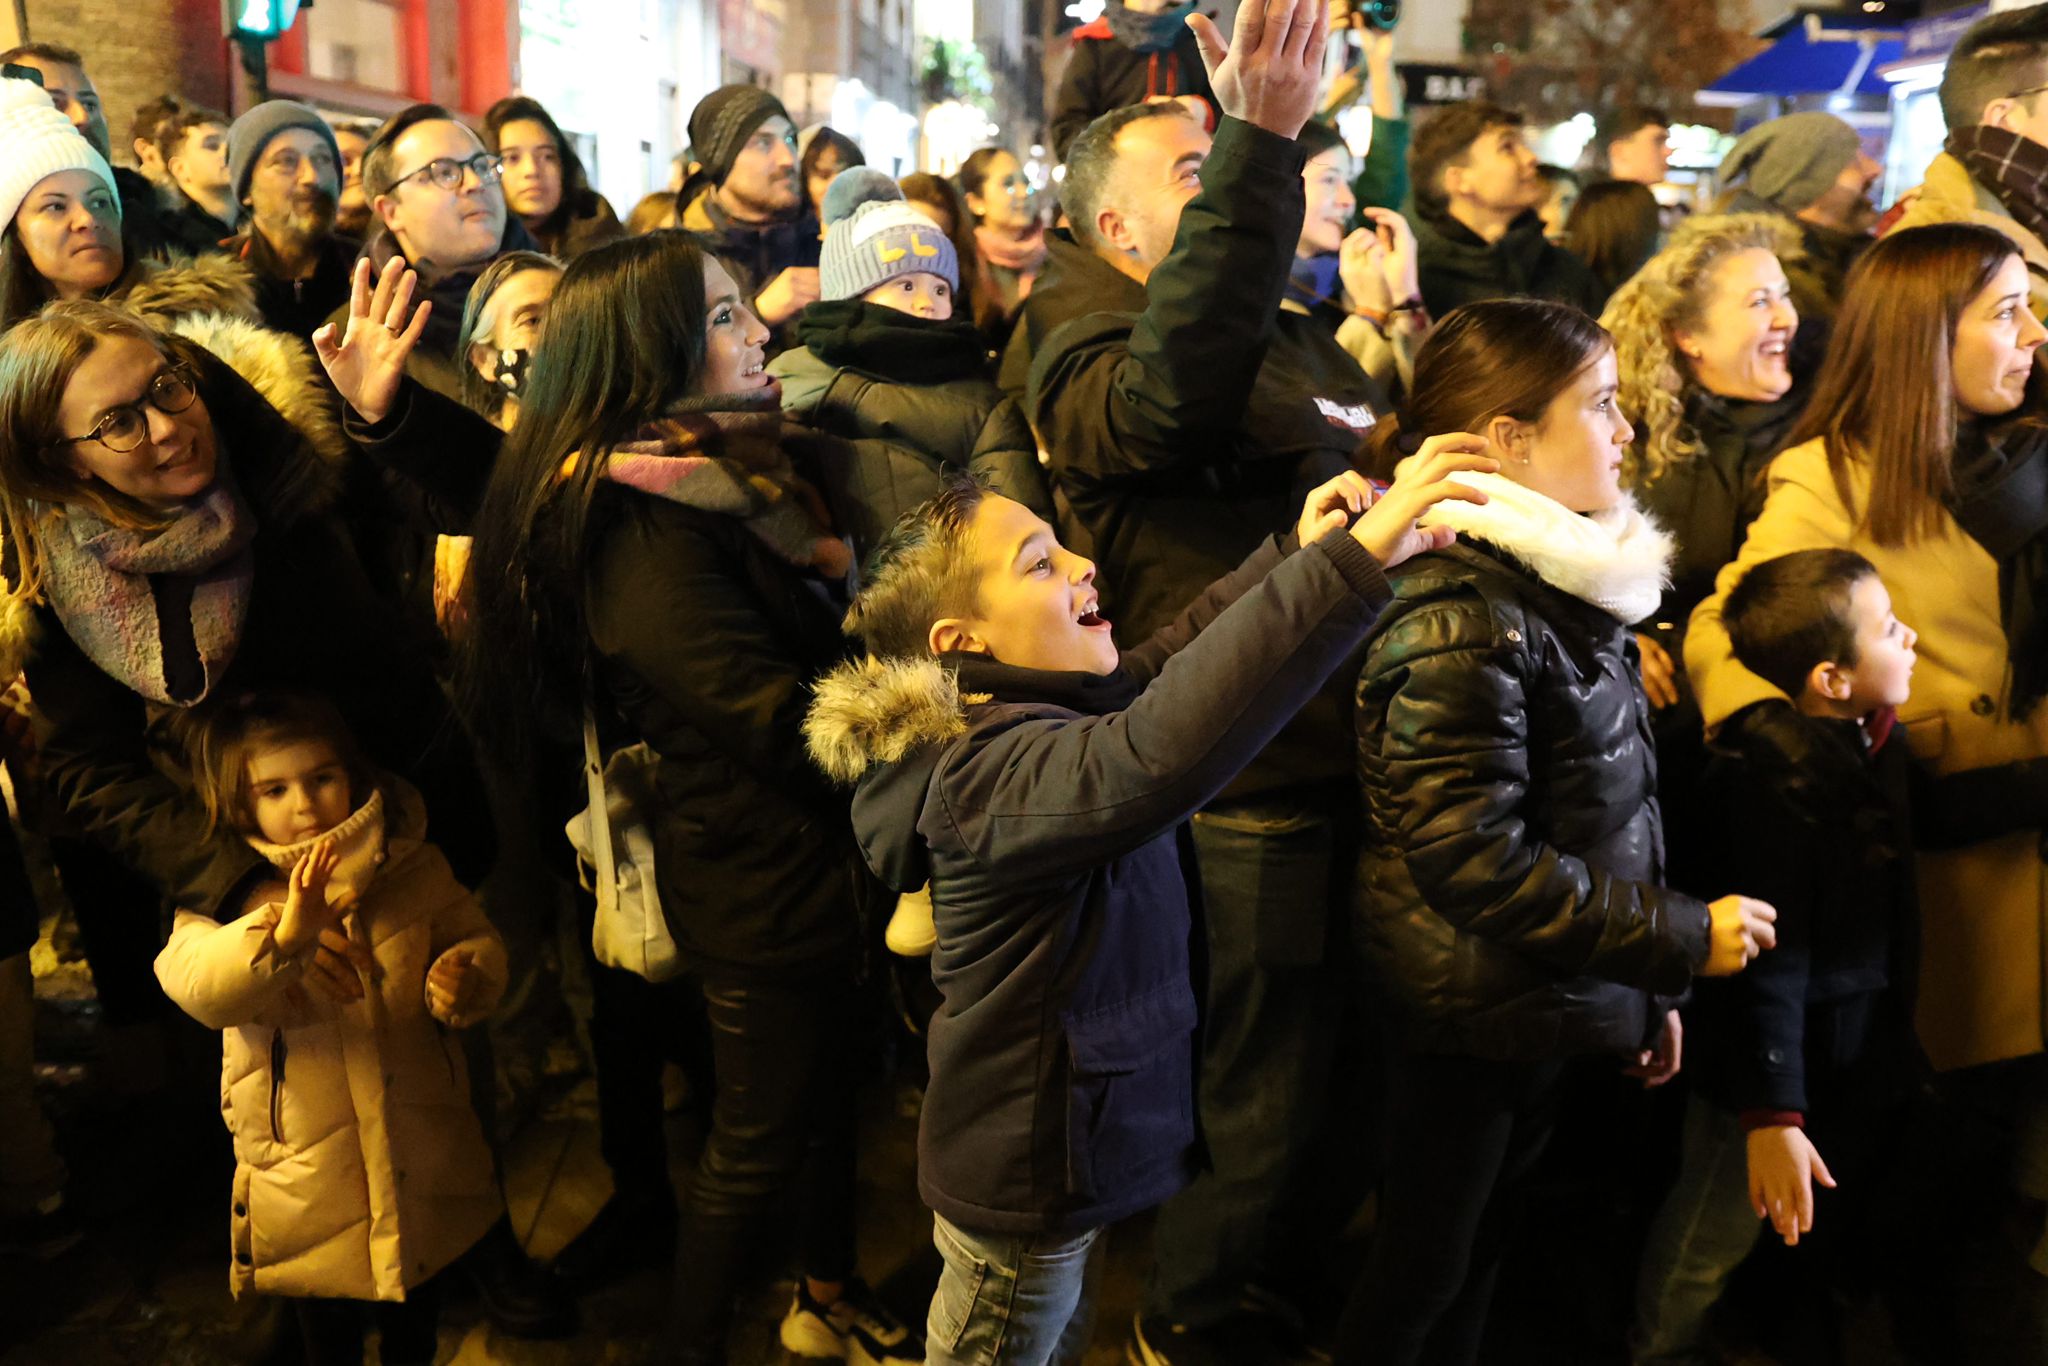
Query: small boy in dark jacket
x,y
1134,51
1007,752
1821,805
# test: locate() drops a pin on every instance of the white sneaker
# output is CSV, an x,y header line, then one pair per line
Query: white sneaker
x,y
911,931
858,1328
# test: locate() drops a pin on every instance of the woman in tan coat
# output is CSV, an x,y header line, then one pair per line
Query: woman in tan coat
x,y
1916,450
1936,340
360,1169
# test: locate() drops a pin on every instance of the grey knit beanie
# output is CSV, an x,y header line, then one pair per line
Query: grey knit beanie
x,y
252,132
873,237
1793,160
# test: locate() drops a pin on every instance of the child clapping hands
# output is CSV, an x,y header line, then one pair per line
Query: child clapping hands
x,y
361,1170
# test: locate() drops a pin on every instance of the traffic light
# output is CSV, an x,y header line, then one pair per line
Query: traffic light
x,y
258,20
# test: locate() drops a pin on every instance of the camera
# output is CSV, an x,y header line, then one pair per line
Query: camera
x,y
1383,15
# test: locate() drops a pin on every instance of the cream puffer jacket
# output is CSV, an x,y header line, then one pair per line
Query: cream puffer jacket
x,y
360,1167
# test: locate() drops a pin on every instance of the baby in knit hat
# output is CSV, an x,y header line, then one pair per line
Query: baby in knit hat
x,y
879,249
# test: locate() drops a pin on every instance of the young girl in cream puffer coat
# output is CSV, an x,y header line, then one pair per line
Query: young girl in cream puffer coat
x,y
360,1168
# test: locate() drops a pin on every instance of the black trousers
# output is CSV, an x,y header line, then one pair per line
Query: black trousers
x,y
1463,1135
787,1053
332,1330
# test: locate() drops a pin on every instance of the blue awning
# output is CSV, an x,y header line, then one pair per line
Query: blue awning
x,y
1812,55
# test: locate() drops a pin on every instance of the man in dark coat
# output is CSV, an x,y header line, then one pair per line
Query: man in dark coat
x,y
1134,51
1180,438
284,169
748,198
1477,232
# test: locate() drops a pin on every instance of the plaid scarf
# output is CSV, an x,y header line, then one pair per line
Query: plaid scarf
x,y
2012,167
724,454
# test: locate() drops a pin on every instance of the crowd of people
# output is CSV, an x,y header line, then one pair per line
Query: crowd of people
x,y
1571,721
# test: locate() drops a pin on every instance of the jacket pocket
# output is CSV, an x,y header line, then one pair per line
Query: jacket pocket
x,y
1130,1098
277,1055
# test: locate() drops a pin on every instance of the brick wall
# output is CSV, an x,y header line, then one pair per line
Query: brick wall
x,y
136,50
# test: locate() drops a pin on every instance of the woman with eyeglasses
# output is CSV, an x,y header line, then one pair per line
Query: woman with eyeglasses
x,y
175,541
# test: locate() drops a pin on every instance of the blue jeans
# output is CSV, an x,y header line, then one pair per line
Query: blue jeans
x,y
1011,1299
1271,872
1703,1231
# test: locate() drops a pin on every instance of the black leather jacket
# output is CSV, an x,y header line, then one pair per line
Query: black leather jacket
x,y
1508,897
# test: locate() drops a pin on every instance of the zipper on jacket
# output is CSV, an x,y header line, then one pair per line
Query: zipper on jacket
x,y
277,1086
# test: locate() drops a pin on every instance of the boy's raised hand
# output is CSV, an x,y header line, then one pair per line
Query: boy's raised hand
x,y
1269,73
452,987
1388,527
367,360
1739,928
1783,1165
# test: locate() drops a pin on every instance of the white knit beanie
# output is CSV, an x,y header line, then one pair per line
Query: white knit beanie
x,y
36,141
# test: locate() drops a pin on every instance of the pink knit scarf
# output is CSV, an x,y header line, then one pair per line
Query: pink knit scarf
x,y
97,576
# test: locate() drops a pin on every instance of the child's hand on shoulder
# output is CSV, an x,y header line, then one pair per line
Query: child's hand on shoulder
x,y
306,911
453,985
1783,1165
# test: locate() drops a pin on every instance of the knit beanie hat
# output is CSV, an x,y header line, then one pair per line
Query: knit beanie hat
x,y
251,133
873,237
723,121
1791,161
36,141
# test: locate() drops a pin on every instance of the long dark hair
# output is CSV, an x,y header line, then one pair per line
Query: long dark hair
x,y
578,199
1613,228
625,338
922,187
1885,393
1500,358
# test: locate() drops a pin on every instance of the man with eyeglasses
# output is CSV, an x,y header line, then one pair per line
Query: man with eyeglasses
x,y
284,169
750,201
61,72
1994,169
437,203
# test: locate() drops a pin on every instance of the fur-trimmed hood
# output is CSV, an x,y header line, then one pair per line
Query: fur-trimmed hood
x,y
1618,559
871,712
282,429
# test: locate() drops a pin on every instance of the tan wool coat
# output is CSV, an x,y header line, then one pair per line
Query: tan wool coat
x,y
1982,970
360,1167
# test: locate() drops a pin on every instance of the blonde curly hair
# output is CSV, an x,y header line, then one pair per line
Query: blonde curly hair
x,y
1671,292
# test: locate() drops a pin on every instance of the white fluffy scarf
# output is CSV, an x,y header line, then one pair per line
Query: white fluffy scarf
x,y
1617,559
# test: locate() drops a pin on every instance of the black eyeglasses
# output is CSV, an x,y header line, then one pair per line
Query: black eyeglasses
x,y
447,171
122,428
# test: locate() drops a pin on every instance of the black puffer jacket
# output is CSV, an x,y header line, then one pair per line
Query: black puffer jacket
x,y
1508,899
913,396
